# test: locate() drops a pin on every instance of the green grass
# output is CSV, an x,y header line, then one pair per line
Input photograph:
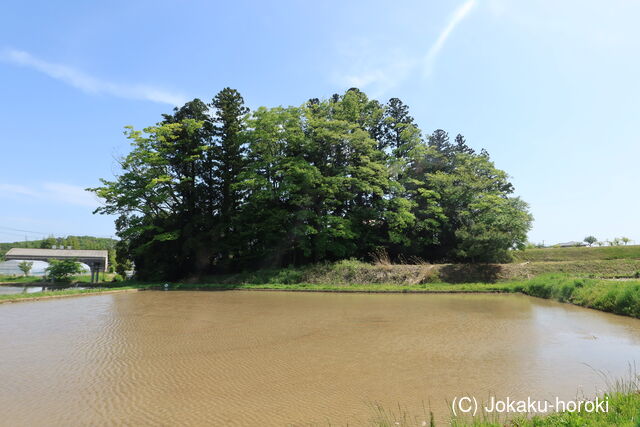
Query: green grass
x,y
578,253
19,279
63,292
384,287
623,410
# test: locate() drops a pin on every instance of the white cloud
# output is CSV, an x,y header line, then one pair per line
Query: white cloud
x,y
90,84
458,15
52,192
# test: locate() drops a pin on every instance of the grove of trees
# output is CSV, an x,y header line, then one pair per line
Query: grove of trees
x,y
215,188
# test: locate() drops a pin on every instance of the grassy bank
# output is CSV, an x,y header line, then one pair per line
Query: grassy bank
x,y
619,297
605,295
578,253
603,269
61,293
352,272
624,411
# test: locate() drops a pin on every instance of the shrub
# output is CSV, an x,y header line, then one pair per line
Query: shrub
x,y
63,270
288,276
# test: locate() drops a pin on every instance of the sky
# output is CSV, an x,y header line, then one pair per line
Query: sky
x,y
549,88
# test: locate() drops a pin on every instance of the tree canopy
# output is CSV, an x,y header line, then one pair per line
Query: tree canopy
x,y
214,187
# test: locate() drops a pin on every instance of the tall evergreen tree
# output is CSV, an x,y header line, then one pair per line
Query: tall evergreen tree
x,y
400,133
228,162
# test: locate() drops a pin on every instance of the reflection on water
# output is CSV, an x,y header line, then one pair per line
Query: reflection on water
x,y
277,358
5,290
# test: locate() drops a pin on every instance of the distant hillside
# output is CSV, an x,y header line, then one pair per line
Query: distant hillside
x,y
75,242
578,253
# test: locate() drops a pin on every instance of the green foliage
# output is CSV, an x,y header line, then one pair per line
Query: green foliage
x,y
63,270
113,261
218,189
123,267
25,267
48,243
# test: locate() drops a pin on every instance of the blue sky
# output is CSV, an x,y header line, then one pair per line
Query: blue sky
x,y
549,88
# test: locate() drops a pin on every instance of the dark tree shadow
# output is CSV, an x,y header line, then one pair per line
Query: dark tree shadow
x,y
470,273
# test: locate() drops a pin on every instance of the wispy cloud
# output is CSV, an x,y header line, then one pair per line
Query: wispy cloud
x,y
378,69
52,192
458,15
90,84
16,190
366,68
379,79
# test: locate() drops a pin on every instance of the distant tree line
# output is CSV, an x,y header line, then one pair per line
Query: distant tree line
x,y
72,242
214,188
617,241
587,241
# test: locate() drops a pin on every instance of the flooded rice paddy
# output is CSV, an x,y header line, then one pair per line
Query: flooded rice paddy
x,y
279,358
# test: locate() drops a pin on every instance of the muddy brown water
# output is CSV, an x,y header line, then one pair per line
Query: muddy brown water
x,y
279,358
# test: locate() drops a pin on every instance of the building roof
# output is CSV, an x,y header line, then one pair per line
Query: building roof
x,y
62,253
